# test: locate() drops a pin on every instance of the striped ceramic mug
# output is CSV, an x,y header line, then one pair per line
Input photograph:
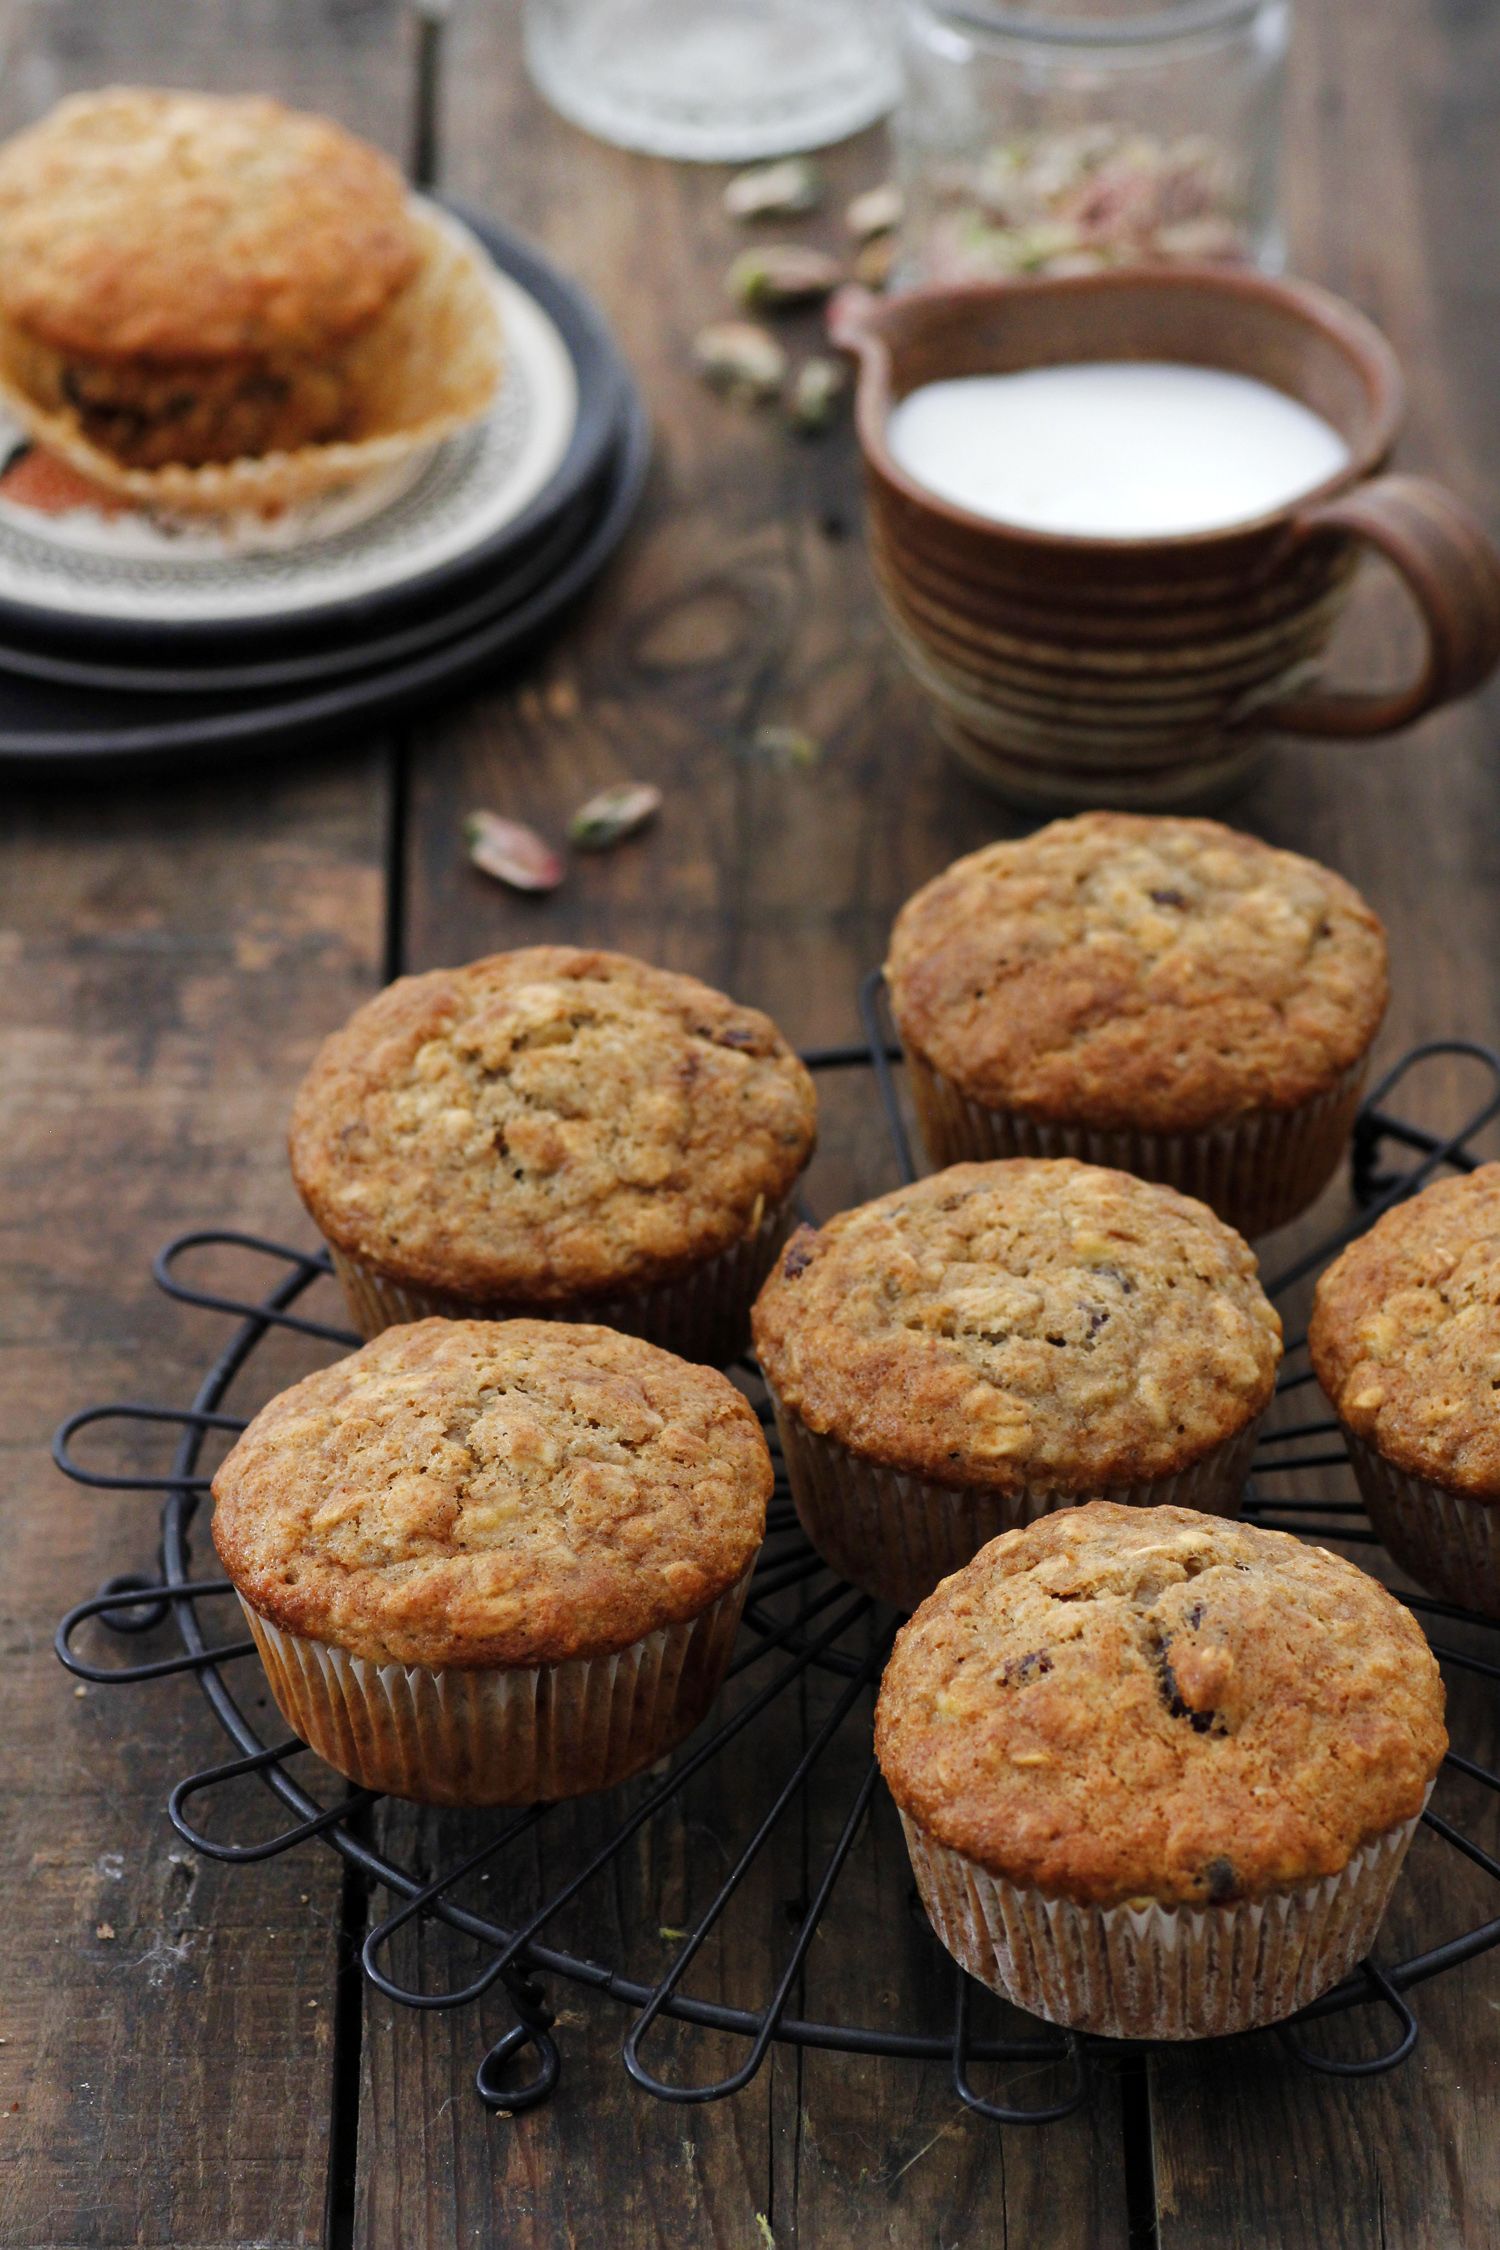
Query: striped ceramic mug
x,y
1070,671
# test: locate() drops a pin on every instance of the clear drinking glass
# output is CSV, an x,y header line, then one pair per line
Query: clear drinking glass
x,y
1065,136
717,80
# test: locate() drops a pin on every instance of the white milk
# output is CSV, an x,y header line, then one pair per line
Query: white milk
x,y
1114,449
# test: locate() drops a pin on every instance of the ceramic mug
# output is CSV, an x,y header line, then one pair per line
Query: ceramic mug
x,y
1069,671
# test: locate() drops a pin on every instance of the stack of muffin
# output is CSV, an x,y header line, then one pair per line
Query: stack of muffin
x,y
1157,1769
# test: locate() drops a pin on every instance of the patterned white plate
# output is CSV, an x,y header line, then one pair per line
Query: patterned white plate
x,y
91,562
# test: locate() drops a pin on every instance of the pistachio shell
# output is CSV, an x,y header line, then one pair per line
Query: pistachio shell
x,y
816,389
512,853
878,211
740,359
785,747
783,273
775,191
608,818
875,260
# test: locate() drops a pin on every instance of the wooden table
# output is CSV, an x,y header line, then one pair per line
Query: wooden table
x,y
188,2059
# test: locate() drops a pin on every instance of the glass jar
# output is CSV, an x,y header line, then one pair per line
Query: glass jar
x,y
717,80
1064,136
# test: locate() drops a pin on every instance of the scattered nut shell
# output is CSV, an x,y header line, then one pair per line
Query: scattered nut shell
x,y
775,191
816,389
608,818
744,362
787,747
783,273
512,853
875,261
879,210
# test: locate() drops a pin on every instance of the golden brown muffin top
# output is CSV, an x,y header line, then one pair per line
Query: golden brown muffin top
x,y
1145,1703
1119,970
465,1492
196,226
1405,1334
1029,1321
549,1125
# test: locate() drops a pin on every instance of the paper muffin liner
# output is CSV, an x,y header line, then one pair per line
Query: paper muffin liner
x,y
1448,1541
1145,1971
1257,1172
896,1535
501,1735
429,364
703,1315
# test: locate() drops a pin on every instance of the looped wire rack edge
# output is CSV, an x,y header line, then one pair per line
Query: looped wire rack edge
x,y
833,1634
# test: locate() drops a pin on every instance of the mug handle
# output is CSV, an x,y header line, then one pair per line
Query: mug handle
x,y
1452,573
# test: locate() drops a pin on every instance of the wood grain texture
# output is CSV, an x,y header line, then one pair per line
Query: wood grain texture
x,y
1385,210
169,959
170,954
741,602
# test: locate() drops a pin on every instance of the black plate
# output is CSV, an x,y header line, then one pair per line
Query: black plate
x,y
606,392
47,729
516,581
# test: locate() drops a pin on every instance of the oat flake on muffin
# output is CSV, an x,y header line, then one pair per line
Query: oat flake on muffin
x,y
1119,969
1001,1340
1023,1320
492,1562
1120,1703
550,1128
1158,1773
1405,1341
510,1492
193,226
1405,1333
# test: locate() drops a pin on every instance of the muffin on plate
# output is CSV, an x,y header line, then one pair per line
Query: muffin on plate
x,y
1158,1772
556,1132
491,1563
210,301
1165,995
1002,1340
1405,1341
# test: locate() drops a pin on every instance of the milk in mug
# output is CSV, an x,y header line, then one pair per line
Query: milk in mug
x,y
1114,449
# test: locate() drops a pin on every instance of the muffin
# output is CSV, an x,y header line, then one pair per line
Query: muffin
x,y
1158,1772
1165,995
555,1132
490,1563
189,281
1405,1340
1003,1340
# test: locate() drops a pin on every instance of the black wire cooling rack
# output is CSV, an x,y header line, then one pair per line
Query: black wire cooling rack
x,y
810,1646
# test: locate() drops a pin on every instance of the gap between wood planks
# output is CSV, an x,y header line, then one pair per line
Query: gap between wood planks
x,y
398,800
1138,2154
1136,2119
346,2086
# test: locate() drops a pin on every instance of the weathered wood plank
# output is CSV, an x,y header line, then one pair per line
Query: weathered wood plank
x,y
165,989
1387,208
171,953
170,956
742,601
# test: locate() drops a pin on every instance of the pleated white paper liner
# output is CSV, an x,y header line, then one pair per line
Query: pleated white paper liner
x,y
704,1315
502,1735
1257,1172
1146,1971
897,1536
